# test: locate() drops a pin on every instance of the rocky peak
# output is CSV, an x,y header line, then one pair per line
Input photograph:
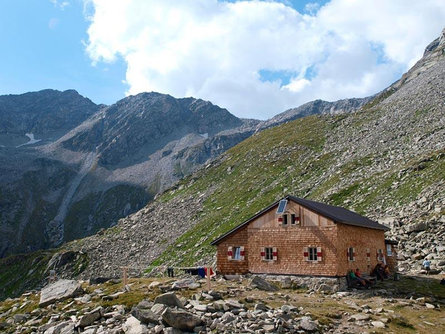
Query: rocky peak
x,y
436,44
43,111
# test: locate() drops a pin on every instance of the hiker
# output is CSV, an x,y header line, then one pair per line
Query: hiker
x,y
355,278
358,274
427,265
378,271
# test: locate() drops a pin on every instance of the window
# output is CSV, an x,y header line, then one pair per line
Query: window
x,y
312,253
292,219
284,219
351,254
388,250
236,253
269,253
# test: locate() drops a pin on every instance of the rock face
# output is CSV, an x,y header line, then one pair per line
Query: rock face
x,y
87,165
60,290
82,166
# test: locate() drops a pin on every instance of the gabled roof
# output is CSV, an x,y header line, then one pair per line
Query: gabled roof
x,y
336,213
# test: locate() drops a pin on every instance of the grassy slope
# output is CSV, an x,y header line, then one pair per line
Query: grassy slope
x,y
290,159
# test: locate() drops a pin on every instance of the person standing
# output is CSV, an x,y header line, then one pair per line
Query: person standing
x,y
427,265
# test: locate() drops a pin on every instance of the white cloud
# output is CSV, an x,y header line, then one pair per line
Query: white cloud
x,y
60,4
216,50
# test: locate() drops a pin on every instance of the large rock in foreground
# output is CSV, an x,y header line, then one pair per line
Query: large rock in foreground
x,y
182,320
169,299
59,290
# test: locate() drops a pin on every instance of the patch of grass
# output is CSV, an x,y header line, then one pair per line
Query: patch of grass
x,y
402,322
339,197
22,272
379,98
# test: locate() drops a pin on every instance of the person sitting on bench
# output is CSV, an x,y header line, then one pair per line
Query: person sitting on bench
x,y
358,274
354,279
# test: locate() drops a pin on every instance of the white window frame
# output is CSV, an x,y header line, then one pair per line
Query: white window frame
x,y
268,256
312,254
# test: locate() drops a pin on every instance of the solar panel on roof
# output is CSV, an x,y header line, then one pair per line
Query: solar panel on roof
x,y
282,206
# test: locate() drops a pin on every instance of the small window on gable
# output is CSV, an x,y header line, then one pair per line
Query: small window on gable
x,y
284,219
269,253
292,219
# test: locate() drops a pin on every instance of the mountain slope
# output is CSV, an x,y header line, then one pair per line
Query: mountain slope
x,y
108,161
315,108
84,166
385,160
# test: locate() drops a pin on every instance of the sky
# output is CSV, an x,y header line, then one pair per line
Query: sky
x,y
255,58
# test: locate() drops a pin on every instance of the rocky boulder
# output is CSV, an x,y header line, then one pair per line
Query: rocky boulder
x,y
60,290
181,319
169,299
262,284
90,317
144,314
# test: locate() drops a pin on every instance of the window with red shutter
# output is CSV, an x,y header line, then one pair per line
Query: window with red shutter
x,y
229,253
242,253
319,254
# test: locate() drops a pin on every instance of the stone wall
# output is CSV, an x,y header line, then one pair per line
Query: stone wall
x,y
319,284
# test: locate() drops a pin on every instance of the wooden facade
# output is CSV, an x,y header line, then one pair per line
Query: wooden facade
x,y
307,239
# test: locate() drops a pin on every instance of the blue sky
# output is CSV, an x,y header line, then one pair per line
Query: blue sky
x,y
256,58
42,47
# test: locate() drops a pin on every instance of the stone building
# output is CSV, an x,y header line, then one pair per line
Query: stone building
x,y
302,237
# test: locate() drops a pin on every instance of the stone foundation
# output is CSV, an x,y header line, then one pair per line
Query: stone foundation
x,y
318,284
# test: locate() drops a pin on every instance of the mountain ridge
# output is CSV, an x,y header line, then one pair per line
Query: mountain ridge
x,y
137,147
